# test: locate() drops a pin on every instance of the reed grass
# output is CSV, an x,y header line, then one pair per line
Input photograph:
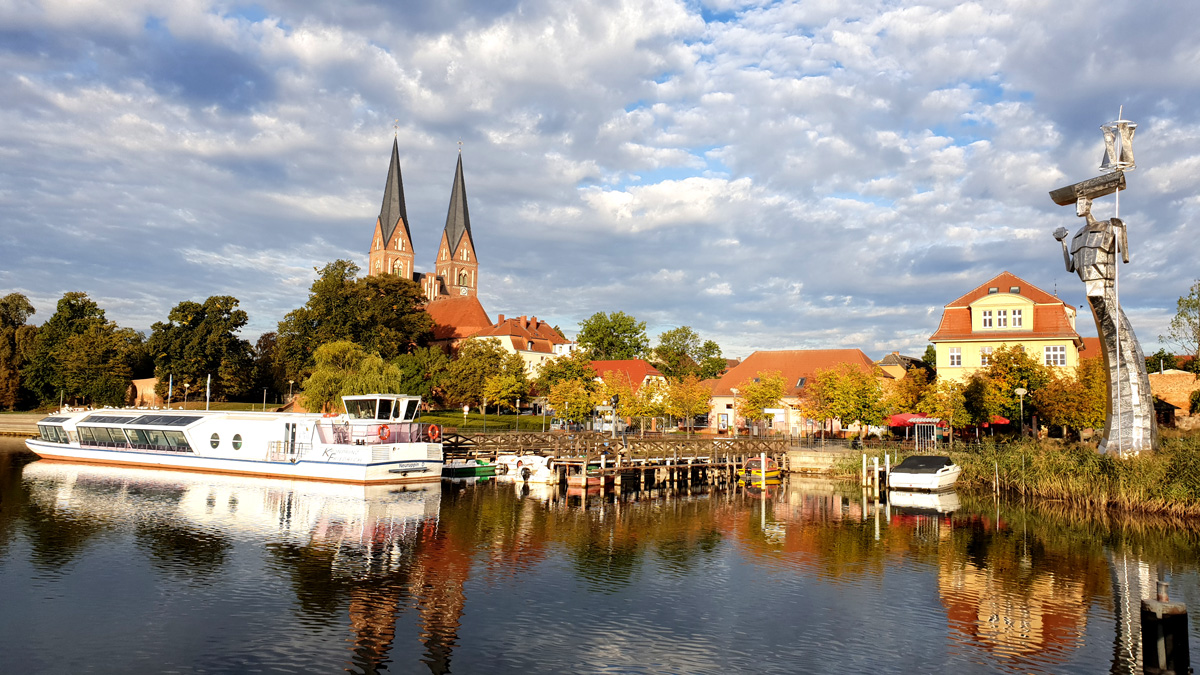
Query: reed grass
x,y
1163,482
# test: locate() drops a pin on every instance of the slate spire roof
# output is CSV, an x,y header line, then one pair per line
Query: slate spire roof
x,y
393,210
458,219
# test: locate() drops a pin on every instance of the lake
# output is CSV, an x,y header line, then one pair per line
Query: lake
x,y
132,570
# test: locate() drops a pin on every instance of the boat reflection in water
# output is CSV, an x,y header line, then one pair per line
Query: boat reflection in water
x,y
377,544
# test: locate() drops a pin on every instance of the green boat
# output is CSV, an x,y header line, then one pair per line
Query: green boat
x,y
466,468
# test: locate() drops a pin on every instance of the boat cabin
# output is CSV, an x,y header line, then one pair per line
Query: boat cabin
x,y
390,407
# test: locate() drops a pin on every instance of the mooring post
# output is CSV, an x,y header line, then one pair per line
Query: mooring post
x,y
863,482
1164,633
875,475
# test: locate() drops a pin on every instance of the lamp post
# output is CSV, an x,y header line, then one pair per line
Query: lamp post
x,y
264,399
733,417
484,409
185,393
1020,392
466,409
290,382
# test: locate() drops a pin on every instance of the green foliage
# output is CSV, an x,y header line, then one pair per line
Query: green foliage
x,y
345,369
930,358
1184,331
1194,403
199,340
1075,402
43,374
509,385
905,394
99,363
612,337
990,391
15,338
680,353
574,399
423,372
467,375
983,397
383,313
847,393
945,400
269,372
1161,360
576,366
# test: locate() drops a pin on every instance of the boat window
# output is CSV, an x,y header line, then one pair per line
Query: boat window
x,y
396,411
85,434
177,440
118,436
410,409
214,441
361,409
237,441
137,437
153,437
384,410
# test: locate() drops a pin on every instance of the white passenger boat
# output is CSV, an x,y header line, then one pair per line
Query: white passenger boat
x,y
924,472
377,439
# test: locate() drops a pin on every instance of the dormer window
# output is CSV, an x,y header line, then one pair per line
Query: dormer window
x,y
800,382
993,290
1015,290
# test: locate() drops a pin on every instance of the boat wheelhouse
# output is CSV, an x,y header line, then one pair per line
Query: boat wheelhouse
x,y
376,439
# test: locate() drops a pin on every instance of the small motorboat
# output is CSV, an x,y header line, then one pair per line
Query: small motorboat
x,y
924,503
924,472
755,472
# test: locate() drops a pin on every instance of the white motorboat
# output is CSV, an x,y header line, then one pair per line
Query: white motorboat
x,y
376,439
924,502
924,472
528,468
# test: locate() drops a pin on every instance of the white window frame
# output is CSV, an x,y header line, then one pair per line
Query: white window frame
x,y
1055,355
1018,319
985,356
987,318
955,357
1002,318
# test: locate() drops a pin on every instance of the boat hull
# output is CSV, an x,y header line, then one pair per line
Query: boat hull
x,y
942,480
412,471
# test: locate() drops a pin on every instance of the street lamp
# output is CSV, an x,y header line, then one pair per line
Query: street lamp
x,y
1020,392
290,390
733,418
264,399
466,409
185,392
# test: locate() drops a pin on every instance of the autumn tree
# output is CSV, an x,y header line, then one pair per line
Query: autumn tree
x,y
201,339
1010,368
573,400
576,366
906,393
15,340
688,397
757,394
1075,401
612,337
467,375
511,384
847,393
946,400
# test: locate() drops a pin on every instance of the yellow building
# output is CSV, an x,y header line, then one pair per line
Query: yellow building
x,y
1006,310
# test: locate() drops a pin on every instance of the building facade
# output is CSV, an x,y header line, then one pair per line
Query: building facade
x,y
1005,310
536,341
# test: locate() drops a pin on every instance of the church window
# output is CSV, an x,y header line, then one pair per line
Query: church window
x,y
400,244
398,268
465,255
462,278
378,266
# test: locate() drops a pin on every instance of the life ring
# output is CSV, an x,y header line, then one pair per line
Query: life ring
x,y
385,432
435,434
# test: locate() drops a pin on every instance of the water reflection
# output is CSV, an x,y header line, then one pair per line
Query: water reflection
x,y
442,578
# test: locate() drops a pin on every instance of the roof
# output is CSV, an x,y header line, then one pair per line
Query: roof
x,y
1049,319
458,219
1090,348
636,369
793,364
1003,282
523,330
898,359
393,210
457,317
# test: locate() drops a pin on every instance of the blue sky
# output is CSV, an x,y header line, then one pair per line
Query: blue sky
x,y
776,175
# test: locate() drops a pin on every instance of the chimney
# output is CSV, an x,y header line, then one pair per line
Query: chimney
x,y
524,321
499,318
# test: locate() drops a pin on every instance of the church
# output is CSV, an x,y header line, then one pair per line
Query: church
x,y
452,288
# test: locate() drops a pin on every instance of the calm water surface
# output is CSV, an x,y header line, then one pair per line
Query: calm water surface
x,y
126,570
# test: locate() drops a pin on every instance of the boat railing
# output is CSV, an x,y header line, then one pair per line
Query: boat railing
x,y
287,451
134,446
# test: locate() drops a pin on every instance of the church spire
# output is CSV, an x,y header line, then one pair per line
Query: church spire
x,y
393,210
458,219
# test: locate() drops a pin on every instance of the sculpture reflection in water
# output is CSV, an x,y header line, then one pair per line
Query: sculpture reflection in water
x,y
371,551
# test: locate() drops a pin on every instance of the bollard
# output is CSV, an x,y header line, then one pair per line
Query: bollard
x,y
864,471
875,476
1164,635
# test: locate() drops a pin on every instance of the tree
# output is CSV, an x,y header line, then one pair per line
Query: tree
x,y
467,375
342,368
15,310
945,400
573,400
905,394
99,363
1161,360
847,393
269,371
688,397
383,313
1076,402
576,366
1009,369
612,337
930,358
423,372
757,394
983,398
509,385
1184,331
199,340
710,361
43,373
680,353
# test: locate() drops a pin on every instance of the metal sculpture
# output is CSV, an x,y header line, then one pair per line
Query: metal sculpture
x,y
1130,426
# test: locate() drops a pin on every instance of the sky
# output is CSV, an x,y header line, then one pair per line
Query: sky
x,y
776,175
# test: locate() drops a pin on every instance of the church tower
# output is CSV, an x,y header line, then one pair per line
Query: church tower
x,y
391,248
456,269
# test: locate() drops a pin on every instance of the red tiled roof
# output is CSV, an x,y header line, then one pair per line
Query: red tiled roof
x,y
636,369
793,364
1005,281
1091,348
1049,318
456,318
520,331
